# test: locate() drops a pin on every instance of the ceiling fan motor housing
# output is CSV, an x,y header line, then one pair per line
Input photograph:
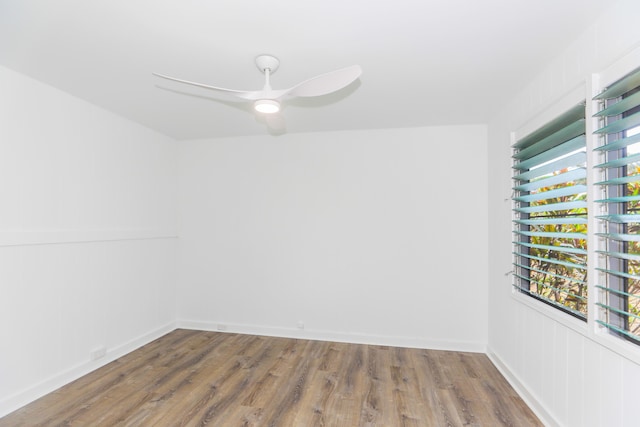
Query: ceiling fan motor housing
x,y
267,62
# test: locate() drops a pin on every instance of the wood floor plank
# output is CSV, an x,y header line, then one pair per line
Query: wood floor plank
x,y
197,378
371,411
84,389
152,385
211,384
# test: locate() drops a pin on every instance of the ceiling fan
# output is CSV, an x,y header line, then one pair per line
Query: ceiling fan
x,y
268,100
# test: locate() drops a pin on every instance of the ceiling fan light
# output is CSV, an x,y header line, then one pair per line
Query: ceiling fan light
x,y
267,106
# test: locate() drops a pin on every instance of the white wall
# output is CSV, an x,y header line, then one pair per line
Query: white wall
x,y
87,237
551,358
360,235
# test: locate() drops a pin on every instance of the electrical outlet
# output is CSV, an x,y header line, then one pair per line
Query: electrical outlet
x,y
300,324
222,327
98,353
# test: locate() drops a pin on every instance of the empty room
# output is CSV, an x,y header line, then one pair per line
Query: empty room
x,y
365,213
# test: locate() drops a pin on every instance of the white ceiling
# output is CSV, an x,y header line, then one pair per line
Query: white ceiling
x,y
424,62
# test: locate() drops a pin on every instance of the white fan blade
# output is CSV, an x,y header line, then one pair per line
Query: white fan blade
x,y
326,83
251,95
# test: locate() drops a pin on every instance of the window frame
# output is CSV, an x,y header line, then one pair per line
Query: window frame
x,y
613,313
548,115
588,88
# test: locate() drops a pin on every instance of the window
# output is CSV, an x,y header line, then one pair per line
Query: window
x,y
550,220
619,144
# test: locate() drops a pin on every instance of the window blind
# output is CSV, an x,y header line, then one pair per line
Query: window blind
x,y
550,218
619,142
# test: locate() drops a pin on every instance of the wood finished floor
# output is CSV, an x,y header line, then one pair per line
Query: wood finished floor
x,y
195,378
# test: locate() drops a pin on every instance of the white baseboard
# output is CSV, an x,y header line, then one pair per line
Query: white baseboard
x,y
319,335
24,397
533,403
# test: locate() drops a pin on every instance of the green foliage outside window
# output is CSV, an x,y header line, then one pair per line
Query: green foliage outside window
x,y
633,266
559,281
